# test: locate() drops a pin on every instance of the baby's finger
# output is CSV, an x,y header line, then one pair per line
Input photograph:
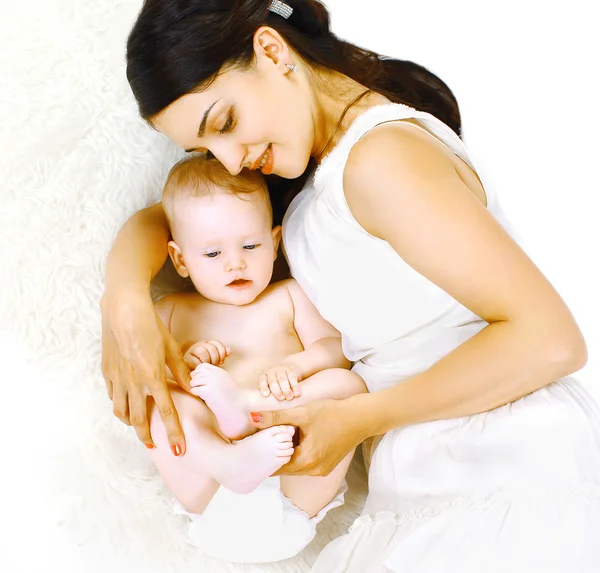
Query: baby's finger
x,y
275,388
222,352
263,385
296,389
294,381
191,360
213,351
285,385
201,353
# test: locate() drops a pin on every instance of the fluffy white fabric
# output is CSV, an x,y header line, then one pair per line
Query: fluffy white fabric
x,y
78,490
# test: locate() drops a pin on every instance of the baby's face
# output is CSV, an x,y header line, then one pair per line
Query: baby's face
x,y
227,245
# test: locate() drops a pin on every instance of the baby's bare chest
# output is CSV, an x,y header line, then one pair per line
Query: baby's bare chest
x,y
259,335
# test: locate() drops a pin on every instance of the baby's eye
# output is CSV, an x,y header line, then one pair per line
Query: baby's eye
x,y
250,247
212,254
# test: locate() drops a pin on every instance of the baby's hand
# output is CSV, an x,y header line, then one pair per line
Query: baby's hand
x,y
206,352
280,380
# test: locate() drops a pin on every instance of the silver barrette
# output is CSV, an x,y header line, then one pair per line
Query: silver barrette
x,y
281,8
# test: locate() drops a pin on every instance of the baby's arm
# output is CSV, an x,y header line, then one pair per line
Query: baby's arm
x,y
322,342
322,350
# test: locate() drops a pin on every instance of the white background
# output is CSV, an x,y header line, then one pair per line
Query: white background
x,y
526,77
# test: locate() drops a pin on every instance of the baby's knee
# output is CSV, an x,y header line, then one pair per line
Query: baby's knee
x,y
350,382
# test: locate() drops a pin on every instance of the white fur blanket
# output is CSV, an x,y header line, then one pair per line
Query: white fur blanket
x,y
77,489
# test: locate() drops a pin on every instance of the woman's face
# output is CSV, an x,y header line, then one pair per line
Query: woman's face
x,y
259,118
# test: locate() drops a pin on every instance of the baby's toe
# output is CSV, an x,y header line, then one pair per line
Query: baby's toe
x,y
285,453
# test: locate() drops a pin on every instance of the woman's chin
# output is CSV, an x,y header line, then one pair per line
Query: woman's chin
x,y
293,172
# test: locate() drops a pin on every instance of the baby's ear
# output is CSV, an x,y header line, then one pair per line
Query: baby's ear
x,y
276,233
177,258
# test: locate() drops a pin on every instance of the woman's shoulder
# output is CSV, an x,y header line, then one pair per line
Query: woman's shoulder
x,y
401,150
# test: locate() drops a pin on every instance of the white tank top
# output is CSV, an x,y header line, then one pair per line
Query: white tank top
x,y
394,322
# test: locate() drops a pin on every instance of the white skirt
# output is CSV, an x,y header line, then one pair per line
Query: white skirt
x,y
513,490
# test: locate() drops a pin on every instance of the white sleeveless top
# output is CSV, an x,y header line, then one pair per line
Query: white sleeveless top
x,y
395,323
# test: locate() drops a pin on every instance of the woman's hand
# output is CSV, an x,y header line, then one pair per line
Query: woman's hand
x,y
135,348
328,430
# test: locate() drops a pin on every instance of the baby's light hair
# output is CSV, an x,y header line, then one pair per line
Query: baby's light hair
x,y
197,176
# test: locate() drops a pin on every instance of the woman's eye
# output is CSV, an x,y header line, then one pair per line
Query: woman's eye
x,y
228,124
250,247
212,254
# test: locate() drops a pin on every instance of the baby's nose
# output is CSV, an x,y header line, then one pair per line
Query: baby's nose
x,y
236,264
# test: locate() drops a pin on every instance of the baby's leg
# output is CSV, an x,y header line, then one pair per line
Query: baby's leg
x,y
311,493
210,459
188,476
221,392
232,404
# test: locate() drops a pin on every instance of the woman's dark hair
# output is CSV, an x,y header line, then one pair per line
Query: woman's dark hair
x,y
177,47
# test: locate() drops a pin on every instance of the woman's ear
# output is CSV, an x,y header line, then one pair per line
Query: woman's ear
x,y
177,258
271,49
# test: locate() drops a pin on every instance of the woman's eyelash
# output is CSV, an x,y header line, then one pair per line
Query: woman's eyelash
x,y
228,124
251,247
212,254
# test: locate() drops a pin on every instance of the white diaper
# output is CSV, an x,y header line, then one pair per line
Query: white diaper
x,y
259,527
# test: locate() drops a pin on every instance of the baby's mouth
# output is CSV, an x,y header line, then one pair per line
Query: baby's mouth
x,y
240,283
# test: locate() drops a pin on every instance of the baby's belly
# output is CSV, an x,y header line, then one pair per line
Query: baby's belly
x,y
247,368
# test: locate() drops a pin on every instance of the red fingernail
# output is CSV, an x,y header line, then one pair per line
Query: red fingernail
x,y
256,417
177,449
149,446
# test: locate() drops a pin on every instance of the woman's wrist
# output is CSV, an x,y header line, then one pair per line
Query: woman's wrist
x,y
361,414
124,294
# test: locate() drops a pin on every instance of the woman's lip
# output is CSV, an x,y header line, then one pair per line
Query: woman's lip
x,y
267,168
256,164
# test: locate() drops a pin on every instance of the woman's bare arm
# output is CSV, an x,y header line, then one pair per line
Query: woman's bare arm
x,y
136,346
139,251
401,188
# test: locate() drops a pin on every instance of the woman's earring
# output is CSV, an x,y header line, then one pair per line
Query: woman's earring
x,y
292,67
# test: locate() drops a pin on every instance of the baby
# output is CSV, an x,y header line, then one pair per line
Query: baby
x,y
252,345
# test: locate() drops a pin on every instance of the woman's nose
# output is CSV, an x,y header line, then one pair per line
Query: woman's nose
x,y
231,155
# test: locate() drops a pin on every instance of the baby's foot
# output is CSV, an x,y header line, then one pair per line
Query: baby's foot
x,y
222,394
251,461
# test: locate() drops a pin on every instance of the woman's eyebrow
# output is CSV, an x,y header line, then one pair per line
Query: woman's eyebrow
x,y
202,127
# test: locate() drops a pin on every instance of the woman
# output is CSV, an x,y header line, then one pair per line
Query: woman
x,y
464,345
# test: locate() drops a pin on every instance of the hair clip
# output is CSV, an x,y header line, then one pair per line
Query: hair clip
x,y
281,9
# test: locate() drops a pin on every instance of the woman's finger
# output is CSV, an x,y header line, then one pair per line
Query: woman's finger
x,y
121,402
109,388
292,417
168,413
174,360
138,409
